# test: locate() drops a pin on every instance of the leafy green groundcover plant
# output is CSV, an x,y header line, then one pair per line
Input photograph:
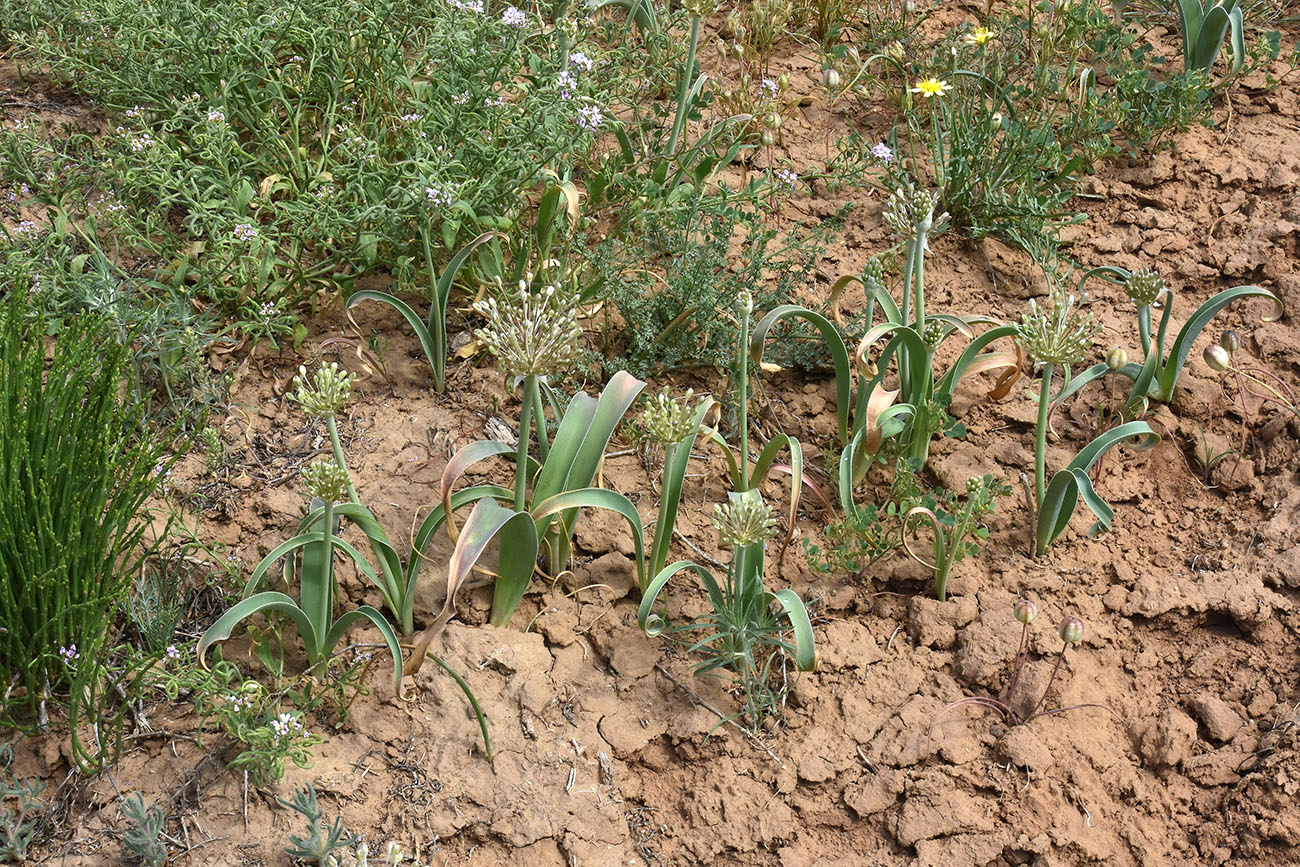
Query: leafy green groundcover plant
x,y
77,465
299,145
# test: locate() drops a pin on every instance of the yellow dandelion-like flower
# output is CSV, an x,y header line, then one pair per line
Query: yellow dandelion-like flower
x,y
929,87
979,36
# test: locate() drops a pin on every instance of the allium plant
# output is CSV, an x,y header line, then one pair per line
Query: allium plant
x,y
743,630
673,424
1060,336
1070,632
1157,376
916,410
532,335
309,556
952,533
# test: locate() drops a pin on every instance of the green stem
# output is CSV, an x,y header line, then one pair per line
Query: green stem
x,y
521,454
742,391
437,316
684,87
326,615
339,459
1040,441
543,445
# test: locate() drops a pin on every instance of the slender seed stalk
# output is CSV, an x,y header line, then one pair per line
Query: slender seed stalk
x,y
1060,657
684,87
744,307
534,385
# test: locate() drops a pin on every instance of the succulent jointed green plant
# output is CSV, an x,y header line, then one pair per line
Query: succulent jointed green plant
x,y
75,474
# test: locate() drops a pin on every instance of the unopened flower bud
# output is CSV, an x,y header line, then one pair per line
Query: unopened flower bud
x,y
996,120
783,80
327,393
767,137
1144,286
1071,630
1231,341
1026,611
667,421
325,479
831,78
1116,358
1216,357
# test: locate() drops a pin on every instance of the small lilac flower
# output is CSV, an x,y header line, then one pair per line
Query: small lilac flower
x,y
216,116
577,58
69,653
173,653
513,17
462,98
142,142
590,117
769,88
883,153
27,228
567,82
245,232
786,179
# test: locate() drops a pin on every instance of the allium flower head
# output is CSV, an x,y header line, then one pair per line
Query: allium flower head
x,y
666,420
743,520
910,211
530,334
1144,286
327,394
326,479
1061,334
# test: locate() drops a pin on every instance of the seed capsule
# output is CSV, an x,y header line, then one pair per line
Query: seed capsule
x,y
831,77
1216,357
1116,358
768,138
1071,629
1026,611
772,121
1231,341
783,80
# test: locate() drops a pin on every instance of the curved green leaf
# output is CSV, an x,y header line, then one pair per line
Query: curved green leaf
x,y
672,481
1168,376
653,624
834,342
805,649
460,463
408,313
367,612
269,600
599,498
